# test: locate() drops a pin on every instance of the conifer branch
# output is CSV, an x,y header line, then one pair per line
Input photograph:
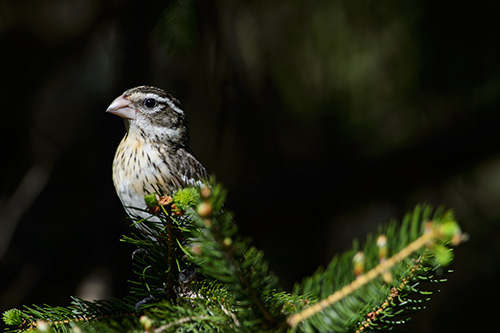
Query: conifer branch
x,y
232,288
431,236
394,293
179,322
229,250
234,250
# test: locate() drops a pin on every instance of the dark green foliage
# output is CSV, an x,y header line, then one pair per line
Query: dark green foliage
x,y
382,299
194,272
107,315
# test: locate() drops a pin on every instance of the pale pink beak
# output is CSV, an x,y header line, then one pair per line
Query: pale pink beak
x,y
122,107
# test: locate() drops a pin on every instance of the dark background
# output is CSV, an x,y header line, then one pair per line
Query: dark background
x,y
324,119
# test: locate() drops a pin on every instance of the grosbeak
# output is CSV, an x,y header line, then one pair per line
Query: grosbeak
x,y
153,156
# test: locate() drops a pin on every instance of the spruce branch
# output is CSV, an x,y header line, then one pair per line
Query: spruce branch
x,y
293,320
180,322
79,312
228,258
411,262
194,272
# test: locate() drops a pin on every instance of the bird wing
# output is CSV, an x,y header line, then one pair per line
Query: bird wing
x,y
183,170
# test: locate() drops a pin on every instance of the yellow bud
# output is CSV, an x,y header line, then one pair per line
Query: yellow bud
x,y
227,242
204,209
206,192
359,263
382,247
146,322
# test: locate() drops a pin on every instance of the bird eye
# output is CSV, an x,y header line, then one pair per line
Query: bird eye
x,y
150,103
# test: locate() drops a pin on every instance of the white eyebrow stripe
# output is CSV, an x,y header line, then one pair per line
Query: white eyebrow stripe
x,y
172,105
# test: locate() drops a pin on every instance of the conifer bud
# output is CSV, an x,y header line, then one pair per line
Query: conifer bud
x,y
227,242
204,209
359,263
382,247
42,326
146,322
206,192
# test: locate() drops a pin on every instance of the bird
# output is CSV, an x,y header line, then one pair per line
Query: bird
x,y
154,155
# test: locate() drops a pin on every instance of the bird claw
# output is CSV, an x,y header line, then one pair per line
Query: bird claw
x,y
142,252
186,277
147,299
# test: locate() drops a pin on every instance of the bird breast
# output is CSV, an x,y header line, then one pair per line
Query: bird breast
x,y
139,168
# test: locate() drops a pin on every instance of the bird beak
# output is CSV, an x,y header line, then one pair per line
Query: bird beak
x,y
122,107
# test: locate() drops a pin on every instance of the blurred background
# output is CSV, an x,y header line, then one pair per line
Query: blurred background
x,y
324,119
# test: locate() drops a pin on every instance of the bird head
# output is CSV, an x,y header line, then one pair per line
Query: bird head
x,y
152,112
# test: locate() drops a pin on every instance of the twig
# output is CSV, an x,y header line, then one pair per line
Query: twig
x,y
420,242
179,322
